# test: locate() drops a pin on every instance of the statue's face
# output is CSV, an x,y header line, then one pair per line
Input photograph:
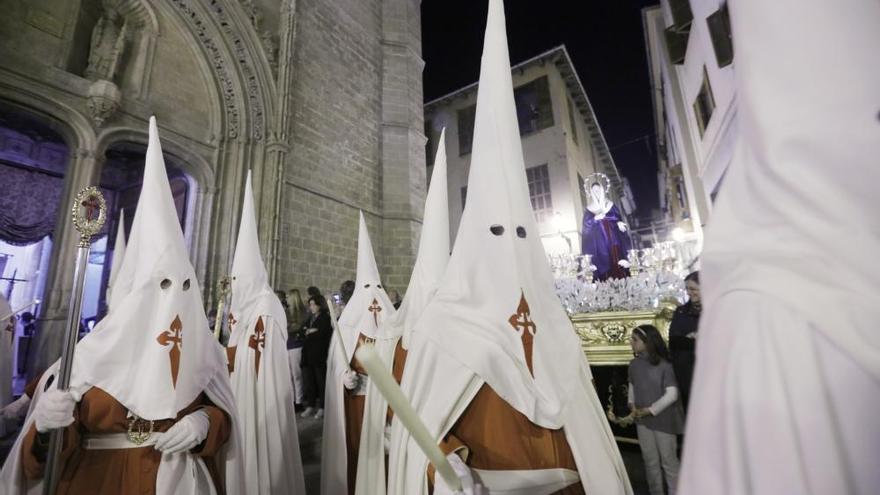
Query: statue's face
x,y
598,193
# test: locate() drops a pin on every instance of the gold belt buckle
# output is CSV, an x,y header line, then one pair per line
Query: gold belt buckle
x,y
136,433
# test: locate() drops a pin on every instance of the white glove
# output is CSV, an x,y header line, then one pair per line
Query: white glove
x,y
624,263
17,409
54,410
469,486
621,226
190,431
386,438
350,379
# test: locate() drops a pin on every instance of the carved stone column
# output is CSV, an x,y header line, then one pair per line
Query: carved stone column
x,y
278,145
201,230
83,171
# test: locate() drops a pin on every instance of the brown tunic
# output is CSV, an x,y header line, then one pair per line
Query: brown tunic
x,y
353,406
491,434
31,388
117,471
397,365
230,358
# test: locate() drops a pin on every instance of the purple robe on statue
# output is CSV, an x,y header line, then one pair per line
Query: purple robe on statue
x,y
603,240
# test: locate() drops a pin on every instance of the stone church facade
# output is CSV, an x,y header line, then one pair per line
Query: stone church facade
x,y
322,99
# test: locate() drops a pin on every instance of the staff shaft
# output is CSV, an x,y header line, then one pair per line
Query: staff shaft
x,y
218,319
53,459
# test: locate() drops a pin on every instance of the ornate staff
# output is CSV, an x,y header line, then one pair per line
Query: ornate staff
x,y
89,213
223,289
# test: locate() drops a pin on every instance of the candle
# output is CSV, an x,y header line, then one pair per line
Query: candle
x,y
403,411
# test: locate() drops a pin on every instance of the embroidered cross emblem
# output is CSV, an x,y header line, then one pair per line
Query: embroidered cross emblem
x,y
257,342
173,336
230,321
375,309
10,327
93,208
522,323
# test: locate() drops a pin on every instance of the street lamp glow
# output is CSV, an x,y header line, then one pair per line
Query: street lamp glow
x,y
558,221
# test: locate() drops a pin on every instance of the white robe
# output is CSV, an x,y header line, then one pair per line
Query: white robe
x,y
334,473
264,402
366,311
371,458
787,380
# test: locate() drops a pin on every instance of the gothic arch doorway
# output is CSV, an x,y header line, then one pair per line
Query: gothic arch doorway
x,y
121,179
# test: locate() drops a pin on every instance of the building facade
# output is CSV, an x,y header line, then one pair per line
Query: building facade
x,y
561,139
690,58
322,99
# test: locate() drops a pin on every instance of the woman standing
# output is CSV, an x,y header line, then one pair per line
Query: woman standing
x,y
653,399
318,331
683,337
295,318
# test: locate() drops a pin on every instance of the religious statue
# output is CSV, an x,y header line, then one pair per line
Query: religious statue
x,y
108,43
604,235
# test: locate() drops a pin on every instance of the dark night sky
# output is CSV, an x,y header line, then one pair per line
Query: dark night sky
x,y
605,41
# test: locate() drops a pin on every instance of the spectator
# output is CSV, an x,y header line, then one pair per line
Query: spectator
x,y
394,295
653,400
313,291
318,331
345,292
296,319
683,337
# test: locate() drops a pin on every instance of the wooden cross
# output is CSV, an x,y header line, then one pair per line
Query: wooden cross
x,y
257,342
230,319
375,309
93,208
522,323
173,336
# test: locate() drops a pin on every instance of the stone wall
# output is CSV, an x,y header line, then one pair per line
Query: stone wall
x,y
357,113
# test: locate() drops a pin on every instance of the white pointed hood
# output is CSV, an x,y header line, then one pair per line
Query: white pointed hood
x,y
498,284
433,255
250,282
369,306
261,377
154,353
118,256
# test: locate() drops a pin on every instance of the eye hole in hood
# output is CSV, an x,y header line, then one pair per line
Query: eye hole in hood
x,y
496,229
